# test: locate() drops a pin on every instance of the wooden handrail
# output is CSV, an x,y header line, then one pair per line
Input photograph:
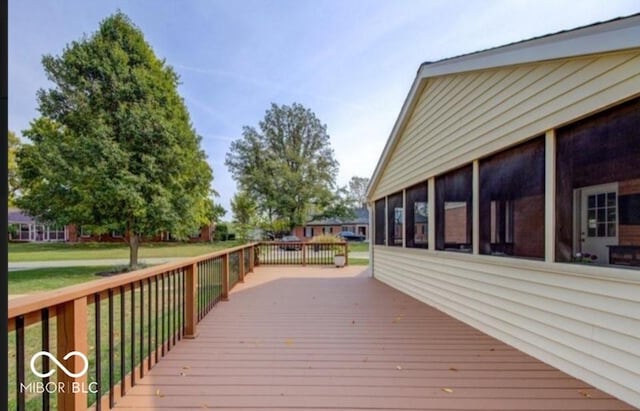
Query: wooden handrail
x,y
189,284
35,302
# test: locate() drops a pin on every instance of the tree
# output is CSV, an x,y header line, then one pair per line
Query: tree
x,y
12,165
287,166
244,213
358,190
114,148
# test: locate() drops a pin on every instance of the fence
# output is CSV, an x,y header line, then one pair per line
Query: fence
x,y
300,253
123,325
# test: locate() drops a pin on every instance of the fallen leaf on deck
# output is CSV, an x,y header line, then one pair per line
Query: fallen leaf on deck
x,y
186,367
205,405
183,374
158,394
288,341
353,321
398,367
453,369
585,394
447,390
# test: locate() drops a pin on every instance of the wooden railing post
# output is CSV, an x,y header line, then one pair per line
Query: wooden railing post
x,y
304,254
346,253
251,258
191,302
241,266
72,336
225,277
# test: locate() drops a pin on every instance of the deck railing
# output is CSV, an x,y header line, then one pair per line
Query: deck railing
x,y
301,253
114,330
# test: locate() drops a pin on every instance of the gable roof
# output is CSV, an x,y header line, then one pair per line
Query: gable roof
x,y
16,216
361,218
613,35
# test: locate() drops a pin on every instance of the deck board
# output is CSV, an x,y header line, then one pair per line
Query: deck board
x,y
328,339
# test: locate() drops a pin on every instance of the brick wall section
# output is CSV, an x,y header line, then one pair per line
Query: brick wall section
x,y
455,225
528,227
629,234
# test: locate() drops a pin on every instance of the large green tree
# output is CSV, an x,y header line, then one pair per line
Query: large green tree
x,y
358,190
245,216
287,165
12,165
114,148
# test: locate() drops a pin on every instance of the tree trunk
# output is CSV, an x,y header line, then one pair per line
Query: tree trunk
x,y
134,242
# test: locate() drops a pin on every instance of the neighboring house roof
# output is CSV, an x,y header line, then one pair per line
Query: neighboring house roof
x,y
16,216
613,35
361,218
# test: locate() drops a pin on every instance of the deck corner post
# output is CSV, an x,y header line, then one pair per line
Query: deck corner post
x,y
346,253
225,277
304,254
252,261
191,302
72,331
241,267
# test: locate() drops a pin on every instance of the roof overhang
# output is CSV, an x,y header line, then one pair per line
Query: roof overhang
x,y
606,37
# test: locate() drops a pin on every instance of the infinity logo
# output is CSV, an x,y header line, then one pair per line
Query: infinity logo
x,y
59,364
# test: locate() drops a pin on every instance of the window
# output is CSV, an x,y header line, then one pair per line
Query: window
x,y
598,188
417,222
395,220
453,210
512,201
379,222
116,234
308,232
85,231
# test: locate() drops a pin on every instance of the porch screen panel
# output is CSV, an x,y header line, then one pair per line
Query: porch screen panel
x,y
395,220
598,188
454,210
512,201
416,216
379,218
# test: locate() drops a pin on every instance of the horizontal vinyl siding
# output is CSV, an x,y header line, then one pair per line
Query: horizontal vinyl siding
x,y
586,326
462,117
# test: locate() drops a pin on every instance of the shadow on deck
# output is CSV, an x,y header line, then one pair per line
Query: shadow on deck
x,y
326,338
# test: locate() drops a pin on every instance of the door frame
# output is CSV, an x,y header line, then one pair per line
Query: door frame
x,y
578,208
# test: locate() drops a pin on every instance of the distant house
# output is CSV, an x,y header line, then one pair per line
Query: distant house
x,y
526,158
24,228
359,224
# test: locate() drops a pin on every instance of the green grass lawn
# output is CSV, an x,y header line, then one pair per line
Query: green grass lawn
x,y
22,252
358,261
358,247
47,279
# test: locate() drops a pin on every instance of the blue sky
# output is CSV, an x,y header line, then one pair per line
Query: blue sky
x,y
350,61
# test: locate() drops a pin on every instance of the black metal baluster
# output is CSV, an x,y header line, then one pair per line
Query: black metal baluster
x,y
149,323
163,315
184,304
98,325
133,335
157,327
123,348
44,319
20,361
141,329
112,400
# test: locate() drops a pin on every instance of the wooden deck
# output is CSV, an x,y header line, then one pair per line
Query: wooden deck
x,y
326,339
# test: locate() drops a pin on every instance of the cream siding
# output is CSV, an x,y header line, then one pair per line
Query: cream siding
x,y
586,325
462,117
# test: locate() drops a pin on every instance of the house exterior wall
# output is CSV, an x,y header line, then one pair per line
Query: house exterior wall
x,y
582,319
462,117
